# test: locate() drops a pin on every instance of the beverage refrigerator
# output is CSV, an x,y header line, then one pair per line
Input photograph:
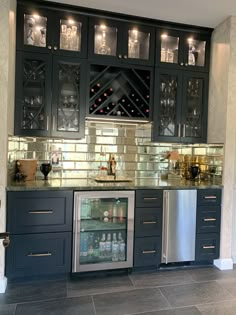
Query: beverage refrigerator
x,y
103,229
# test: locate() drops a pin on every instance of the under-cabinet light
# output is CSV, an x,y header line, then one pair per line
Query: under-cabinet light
x,y
103,26
70,21
164,36
36,16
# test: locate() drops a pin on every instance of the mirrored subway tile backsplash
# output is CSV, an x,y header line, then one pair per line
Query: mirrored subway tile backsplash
x,y
135,154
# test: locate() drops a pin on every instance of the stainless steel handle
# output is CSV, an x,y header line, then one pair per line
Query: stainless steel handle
x,y
149,251
165,226
53,123
55,47
49,47
39,254
209,219
119,56
47,123
125,57
41,212
179,130
209,197
184,130
150,198
208,247
149,222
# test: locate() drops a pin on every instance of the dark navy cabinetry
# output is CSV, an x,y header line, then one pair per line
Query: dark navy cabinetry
x,y
40,225
148,228
208,224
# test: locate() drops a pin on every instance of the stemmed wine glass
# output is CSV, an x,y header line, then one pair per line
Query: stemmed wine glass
x,y
45,168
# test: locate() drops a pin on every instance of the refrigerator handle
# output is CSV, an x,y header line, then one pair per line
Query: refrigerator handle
x,y
165,226
75,233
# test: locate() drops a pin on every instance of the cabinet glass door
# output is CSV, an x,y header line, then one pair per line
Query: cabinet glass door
x,y
194,107
168,93
196,52
138,44
32,101
66,104
169,48
70,34
105,40
103,230
35,30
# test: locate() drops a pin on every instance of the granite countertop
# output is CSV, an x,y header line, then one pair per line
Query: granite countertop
x,y
91,184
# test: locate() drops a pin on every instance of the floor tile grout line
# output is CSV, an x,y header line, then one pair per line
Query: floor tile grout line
x,y
224,288
165,298
94,308
15,309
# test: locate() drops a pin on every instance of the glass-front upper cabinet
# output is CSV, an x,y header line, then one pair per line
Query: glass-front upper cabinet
x,y
121,41
68,114
180,111
51,31
194,110
33,100
183,50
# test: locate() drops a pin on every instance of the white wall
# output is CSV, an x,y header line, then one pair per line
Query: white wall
x,y
7,57
222,127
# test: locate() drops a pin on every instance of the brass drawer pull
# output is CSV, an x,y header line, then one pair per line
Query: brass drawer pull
x,y
149,251
150,198
208,247
149,222
209,219
41,212
40,254
209,197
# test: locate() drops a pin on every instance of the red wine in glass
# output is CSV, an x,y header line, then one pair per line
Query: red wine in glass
x,y
45,168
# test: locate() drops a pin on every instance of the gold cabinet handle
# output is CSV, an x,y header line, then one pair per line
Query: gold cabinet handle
x,y
39,254
149,251
209,197
149,222
41,212
150,198
209,219
208,247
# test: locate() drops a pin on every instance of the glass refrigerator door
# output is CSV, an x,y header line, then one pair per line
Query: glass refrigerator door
x,y
104,235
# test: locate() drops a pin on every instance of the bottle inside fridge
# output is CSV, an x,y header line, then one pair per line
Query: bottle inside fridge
x,y
103,230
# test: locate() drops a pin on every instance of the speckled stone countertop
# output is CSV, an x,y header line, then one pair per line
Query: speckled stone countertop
x,y
91,184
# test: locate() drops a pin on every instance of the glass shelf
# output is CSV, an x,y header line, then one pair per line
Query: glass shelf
x,y
96,225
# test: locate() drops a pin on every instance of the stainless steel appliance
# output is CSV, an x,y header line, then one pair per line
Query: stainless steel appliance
x,y
103,229
179,225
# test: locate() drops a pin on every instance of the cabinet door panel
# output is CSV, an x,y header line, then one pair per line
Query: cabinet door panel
x,y
33,29
33,94
208,197
68,110
167,106
70,34
148,198
194,110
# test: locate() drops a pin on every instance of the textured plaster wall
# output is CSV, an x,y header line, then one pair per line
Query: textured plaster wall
x,y
7,48
221,124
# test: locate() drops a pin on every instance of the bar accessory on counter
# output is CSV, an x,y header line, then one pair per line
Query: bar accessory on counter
x,y
25,169
45,168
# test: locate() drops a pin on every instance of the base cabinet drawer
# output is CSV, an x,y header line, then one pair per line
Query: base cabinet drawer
x,y
147,251
207,246
39,211
148,198
148,222
38,254
208,197
208,219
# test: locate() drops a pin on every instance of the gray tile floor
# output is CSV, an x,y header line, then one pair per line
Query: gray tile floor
x,y
201,291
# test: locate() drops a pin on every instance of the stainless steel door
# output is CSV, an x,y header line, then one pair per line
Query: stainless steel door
x,y
179,225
